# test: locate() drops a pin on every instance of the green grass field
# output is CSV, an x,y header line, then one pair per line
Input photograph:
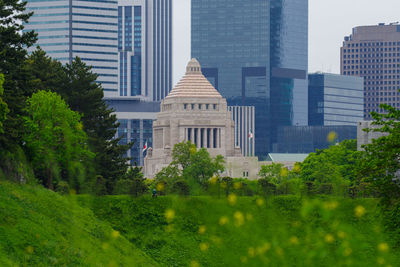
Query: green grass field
x,y
42,228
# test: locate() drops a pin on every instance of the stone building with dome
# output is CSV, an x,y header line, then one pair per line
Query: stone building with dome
x,y
195,111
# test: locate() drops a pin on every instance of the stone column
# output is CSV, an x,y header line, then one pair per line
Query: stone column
x,y
192,135
217,137
212,138
198,137
205,137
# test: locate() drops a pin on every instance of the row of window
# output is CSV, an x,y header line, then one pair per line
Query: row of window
x,y
370,49
366,55
382,93
384,99
365,44
371,61
200,106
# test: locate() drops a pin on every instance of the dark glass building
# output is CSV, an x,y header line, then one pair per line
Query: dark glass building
x,y
335,99
289,63
306,139
255,54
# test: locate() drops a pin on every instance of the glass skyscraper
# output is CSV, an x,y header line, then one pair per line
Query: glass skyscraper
x,y
145,69
255,54
145,49
230,38
83,28
335,99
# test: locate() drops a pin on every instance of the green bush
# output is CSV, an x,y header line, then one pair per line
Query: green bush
x,y
181,188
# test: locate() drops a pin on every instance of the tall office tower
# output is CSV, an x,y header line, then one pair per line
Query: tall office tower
x,y
83,28
145,49
145,69
335,99
255,54
230,38
373,52
289,63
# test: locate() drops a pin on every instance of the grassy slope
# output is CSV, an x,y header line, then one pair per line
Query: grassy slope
x,y
284,231
41,228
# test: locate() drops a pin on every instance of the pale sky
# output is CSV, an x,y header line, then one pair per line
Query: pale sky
x,y
329,22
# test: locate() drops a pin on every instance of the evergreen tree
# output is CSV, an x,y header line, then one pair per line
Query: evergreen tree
x,y
84,95
13,44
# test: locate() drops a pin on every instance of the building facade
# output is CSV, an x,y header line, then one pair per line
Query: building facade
x,y
136,125
335,99
87,29
289,63
244,120
373,52
255,54
193,111
230,38
306,139
145,49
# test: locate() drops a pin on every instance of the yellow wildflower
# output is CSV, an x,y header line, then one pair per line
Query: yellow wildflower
x,y
169,215
223,220
359,211
232,198
29,249
384,247
329,238
114,234
237,185
239,218
202,229
294,240
331,137
260,202
203,246
194,264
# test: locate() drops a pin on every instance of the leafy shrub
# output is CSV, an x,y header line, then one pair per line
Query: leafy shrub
x,y
62,188
181,187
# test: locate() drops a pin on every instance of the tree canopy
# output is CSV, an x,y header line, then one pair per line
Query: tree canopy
x,y
56,143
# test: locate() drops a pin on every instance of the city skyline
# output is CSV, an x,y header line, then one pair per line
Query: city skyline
x,y
329,23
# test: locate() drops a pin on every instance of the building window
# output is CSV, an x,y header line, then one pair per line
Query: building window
x,y
207,106
184,106
192,106
199,106
215,106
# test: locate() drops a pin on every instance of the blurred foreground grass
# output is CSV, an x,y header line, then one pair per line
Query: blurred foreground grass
x,y
251,231
41,228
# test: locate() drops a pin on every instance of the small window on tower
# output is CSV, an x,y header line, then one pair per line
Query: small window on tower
x,y
215,106
184,106
192,106
207,105
199,106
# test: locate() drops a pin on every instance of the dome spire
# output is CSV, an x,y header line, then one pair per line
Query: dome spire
x,y
193,67
194,84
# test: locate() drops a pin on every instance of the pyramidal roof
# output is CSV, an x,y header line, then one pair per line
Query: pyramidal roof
x,y
194,84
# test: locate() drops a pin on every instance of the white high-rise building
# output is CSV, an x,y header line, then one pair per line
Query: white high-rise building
x,y
145,49
84,28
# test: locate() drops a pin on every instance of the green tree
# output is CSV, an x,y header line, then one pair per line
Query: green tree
x,y
379,164
133,183
273,172
3,106
181,154
13,44
168,176
202,167
56,143
44,72
85,95
333,168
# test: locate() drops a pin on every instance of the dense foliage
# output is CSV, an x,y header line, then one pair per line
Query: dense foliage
x,y
55,141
